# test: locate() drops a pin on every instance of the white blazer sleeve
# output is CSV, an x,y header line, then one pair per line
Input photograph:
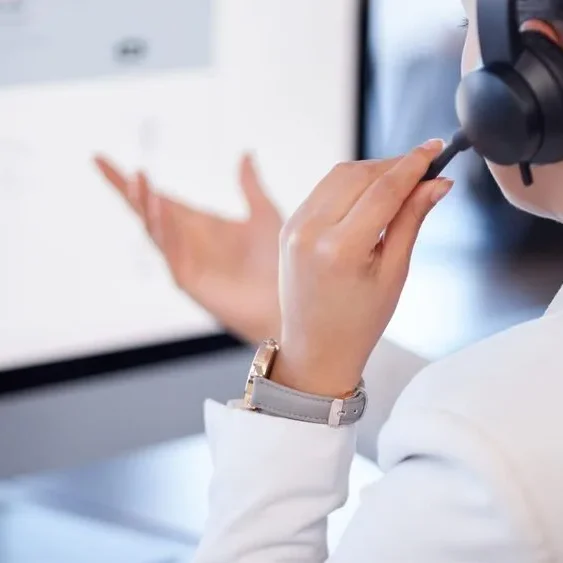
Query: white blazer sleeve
x,y
276,481
446,497
389,370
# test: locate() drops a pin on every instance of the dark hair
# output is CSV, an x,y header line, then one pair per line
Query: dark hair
x,y
548,10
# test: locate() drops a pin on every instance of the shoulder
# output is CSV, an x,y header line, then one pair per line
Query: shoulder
x,y
494,409
510,384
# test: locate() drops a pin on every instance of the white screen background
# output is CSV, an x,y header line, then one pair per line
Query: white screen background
x,y
77,273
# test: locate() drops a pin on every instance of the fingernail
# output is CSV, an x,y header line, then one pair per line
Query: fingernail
x,y
434,145
441,191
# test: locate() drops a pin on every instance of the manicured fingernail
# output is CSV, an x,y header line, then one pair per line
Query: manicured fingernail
x,y
441,191
434,145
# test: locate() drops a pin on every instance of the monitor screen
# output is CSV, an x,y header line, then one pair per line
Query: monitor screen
x,y
181,89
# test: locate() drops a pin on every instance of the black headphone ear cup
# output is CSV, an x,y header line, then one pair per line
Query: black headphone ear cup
x,y
541,66
511,110
499,115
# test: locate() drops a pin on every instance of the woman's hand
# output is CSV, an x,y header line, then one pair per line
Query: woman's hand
x,y
228,267
345,256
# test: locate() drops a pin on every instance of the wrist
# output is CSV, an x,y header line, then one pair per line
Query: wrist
x,y
254,334
309,375
276,392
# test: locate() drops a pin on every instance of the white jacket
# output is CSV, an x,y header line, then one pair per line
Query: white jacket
x,y
472,455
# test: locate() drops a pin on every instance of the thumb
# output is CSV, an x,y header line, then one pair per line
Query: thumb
x,y
251,185
402,232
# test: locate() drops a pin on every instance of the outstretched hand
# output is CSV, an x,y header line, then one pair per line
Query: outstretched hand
x,y
229,267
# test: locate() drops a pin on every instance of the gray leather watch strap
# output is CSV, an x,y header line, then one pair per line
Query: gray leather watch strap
x,y
277,400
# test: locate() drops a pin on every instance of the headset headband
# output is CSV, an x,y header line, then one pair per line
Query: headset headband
x,y
498,31
547,10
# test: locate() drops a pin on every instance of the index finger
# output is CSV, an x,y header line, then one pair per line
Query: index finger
x,y
408,172
111,173
383,199
341,188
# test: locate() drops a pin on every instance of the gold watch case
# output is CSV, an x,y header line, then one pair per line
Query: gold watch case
x,y
261,367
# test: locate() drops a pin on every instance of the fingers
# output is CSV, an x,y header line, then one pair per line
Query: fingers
x,y
252,185
403,231
111,173
381,201
128,187
150,205
338,192
409,171
138,193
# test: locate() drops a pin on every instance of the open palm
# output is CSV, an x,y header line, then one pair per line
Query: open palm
x,y
229,267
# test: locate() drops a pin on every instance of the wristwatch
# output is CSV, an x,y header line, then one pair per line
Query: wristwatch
x,y
263,395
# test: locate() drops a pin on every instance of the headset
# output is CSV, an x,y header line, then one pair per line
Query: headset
x,y
510,109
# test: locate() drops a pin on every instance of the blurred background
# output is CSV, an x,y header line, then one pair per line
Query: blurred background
x,y
113,468
481,265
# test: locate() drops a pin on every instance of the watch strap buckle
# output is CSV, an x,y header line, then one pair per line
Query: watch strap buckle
x,y
336,413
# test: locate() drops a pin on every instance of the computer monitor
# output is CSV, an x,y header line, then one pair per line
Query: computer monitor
x,y
181,89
